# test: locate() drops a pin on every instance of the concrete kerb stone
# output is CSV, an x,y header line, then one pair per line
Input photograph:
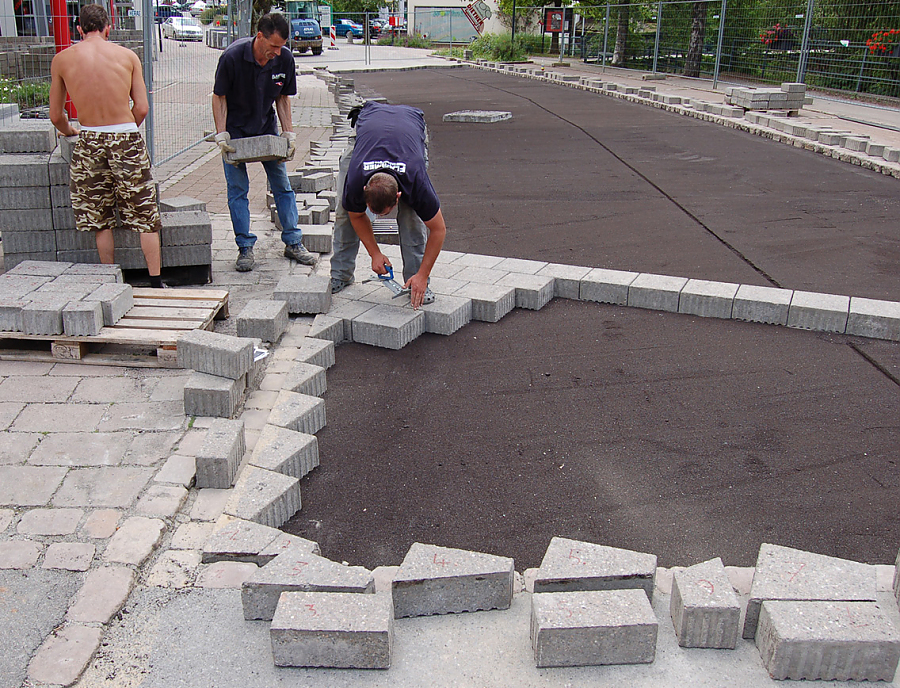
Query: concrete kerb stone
x,y
533,292
236,539
214,353
656,292
822,312
304,294
606,286
220,455
264,319
390,327
212,395
707,299
298,412
762,304
704,607
264,497
306,378
874,318
285,451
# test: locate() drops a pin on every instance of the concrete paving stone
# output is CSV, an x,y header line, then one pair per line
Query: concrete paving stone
x,y
6,517
390,327
220,455
11,314
170,388
447,314
298,412
478,261
19,554
891,154
490,302
101,523
185,228
178,470
867,318
264,497
191,535
572,565
445,270
225,574
264,319
783,573
148,448
606,286
180,204
69,556
64,655
215,354
209,504
160,415
330,197
134,541
174,569
589,628
41,268
327,327
94,390
762,304
116,300
337,630
532,291
235,539
306,378
285,451
283,543
194,438
32,389
274,382
821,312
528,267
855,143
102,595
116,487
82,318
17,447
16,197
81,449
567,279
22,486
28,241
25,218
704,608
212,395
258,149
317,181
43,315
707,299
318,238
161,501
254,419
8,413
441,580
480,275
304,294
49,521
830,641
656,292
299,571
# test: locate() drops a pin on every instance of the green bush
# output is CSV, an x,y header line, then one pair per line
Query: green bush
x,y
499,47
409,41
27,94
211,14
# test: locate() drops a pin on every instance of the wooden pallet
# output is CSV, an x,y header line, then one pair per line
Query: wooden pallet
x,y
145,336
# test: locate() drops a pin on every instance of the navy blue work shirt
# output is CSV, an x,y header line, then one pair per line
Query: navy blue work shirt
x,y
391,138
250,90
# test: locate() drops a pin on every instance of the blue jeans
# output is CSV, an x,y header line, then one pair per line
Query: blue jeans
x,y
239,206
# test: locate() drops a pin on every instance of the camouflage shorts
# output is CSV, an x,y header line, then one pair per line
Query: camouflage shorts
x,y
111,171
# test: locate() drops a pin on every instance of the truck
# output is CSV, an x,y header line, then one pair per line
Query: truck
x,y
305,19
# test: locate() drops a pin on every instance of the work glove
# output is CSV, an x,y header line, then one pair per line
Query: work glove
x,y
353,115
223,141
291,139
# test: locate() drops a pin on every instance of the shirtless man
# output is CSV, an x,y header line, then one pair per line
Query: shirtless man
x,y
110,166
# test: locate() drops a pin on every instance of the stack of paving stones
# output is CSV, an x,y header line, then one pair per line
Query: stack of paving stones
x,y
51,298
790,97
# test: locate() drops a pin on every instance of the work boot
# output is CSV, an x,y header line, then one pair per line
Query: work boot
x,y
245,260
299,253
339,284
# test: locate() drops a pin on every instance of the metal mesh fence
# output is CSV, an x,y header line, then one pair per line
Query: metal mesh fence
x,y
443,25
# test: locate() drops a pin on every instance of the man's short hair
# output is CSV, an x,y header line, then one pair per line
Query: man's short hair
x,y
93,18
273,23
380,192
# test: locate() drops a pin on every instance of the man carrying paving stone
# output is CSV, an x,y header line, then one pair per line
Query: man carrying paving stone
x,y
384,169
110,167
253,75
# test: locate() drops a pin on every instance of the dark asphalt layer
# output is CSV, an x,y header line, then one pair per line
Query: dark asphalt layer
x,y
685,437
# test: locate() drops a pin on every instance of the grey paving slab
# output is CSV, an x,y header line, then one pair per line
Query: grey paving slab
x,y
477,261
338,630
869,318
283,543
209,504
178,470
831,641
656,292
32,389
114,486
53,418
298,570
823,312
149,447
708,299
784,573
6,517
606,286
235,539
704,608
316,351
19,554
444,580
115,299
93,390
480,275
49,521
224,574
8,413
327,327
220,455
304,294
572,565
264,496
156,415
134,541
298,412
29,485
83,318
69,556
81,449
17,447
592,628
258,148
285,451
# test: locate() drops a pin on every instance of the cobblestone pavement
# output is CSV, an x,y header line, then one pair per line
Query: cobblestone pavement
x,y
96,508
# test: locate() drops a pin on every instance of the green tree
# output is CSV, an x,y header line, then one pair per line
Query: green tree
x,y
526,17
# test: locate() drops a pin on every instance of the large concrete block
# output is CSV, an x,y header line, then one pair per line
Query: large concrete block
x,y
29,241
390,327
317,181
214,353
490,302
447,314
704,607
235,539
83,318
265,319
657,292
299,571
567,279
306,378
115,298
762,304
285,451
318,238
258,149
95,270
874,318
264,497
24,169
441,580
783,573
319,352
298,412
212,395
592,628
43,314
571,565
338,630
185,228
179,256
304,294
532,291
828,641
27,136
220,454
707,299
606,286
823,312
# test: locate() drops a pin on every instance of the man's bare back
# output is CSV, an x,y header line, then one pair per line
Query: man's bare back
x,y
102,79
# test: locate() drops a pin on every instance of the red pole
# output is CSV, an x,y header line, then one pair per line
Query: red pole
x,y
62,38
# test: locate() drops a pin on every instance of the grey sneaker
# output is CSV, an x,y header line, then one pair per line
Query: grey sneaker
x,y
429,296
245,259
339,284
299,253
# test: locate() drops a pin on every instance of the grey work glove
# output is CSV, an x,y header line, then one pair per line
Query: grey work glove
x,y
223,141
291,139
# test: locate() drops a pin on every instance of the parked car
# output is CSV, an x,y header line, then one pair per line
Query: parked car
x,y
393,31
376,26
197,8
306,35
183,29
350,29
163,12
